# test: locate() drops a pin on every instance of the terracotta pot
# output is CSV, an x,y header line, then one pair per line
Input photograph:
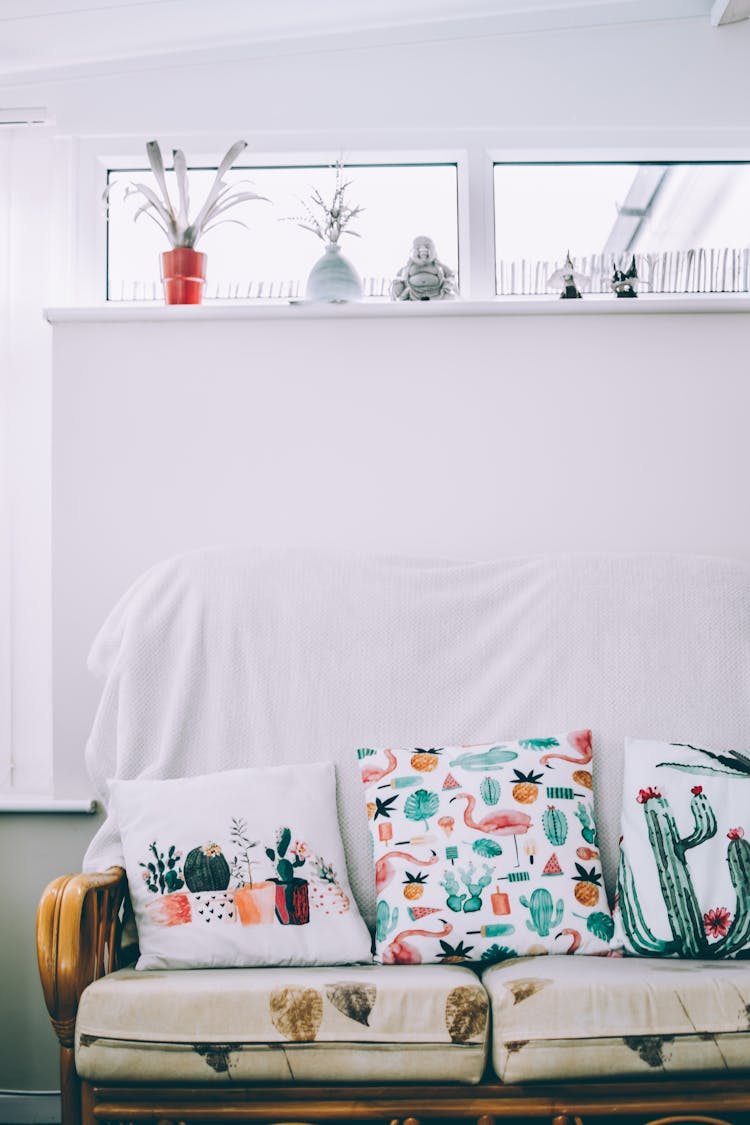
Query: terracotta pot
x,y
171,910
292,903
183,272
255,905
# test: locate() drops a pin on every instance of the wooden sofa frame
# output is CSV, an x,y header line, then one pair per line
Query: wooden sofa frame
x,y
78,941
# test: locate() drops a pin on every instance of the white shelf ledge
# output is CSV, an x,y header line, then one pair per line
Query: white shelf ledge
x,y
644,305
30,804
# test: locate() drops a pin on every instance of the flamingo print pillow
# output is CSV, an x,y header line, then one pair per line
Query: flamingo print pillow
x,y
239,868
683,887
485,852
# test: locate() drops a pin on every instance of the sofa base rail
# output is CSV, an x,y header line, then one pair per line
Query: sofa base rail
x,y
659,1102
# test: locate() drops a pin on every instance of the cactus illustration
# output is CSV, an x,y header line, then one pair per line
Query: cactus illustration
x,y
385,922
588,828
543,918
492,759
555,824
469,900
162,874
489,791
206,869
689,925
285,868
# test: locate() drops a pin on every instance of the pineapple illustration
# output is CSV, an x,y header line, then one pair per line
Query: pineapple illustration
x,y
414,888
454,954
425,760
583,778
588,884
526,788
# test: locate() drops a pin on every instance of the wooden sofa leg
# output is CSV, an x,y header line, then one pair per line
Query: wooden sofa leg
x,y
486,1119
70,1088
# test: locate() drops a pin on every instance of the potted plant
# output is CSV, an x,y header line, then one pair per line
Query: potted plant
x,y
183,268
292,901
163,876
333,277
255,901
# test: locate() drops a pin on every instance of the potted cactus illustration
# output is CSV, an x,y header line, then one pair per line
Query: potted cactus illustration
x,y
255,902
163,877
207,876
325,891
385,921
691,928
292,901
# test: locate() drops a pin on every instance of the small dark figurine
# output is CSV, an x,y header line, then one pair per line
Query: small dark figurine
x,y
625,283
569,278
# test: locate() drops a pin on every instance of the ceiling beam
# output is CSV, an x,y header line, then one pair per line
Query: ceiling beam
x,y
729,11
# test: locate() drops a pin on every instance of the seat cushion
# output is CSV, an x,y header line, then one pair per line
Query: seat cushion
x,y
363,1023
568,1017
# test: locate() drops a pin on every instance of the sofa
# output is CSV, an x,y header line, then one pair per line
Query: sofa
x,y
226,658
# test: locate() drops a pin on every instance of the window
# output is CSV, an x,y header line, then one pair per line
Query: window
x,y
274,256
687,224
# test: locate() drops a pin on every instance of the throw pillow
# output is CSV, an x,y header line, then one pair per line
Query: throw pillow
x,y
239,868
485,852
684,875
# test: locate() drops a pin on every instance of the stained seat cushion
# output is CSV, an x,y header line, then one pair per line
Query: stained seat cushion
x,y
568,1017
355,1023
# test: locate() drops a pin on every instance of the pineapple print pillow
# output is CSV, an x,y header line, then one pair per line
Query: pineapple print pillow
x,y
485,852
239,868
683,887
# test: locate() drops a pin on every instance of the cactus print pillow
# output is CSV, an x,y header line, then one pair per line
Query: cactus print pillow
x,y
485,852
239,868
683,887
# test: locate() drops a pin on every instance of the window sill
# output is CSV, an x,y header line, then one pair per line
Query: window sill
x,y
30,804
597,305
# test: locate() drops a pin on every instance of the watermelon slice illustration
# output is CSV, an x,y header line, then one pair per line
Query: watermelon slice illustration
x,y
417,912
552,866
450,782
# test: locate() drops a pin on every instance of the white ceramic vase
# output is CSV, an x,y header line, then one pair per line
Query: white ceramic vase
x,y
333,278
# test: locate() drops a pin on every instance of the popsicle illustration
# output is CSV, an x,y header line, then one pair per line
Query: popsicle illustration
x,y
500,902
400,782
416,841
451,853
495,929
385,831
516,877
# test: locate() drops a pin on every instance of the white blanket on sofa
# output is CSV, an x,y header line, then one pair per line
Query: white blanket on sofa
x,y
225,658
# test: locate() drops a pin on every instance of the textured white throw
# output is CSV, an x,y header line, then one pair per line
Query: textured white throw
x,y
220,659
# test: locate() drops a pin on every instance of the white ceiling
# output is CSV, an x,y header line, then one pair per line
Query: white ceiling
x,y
58,34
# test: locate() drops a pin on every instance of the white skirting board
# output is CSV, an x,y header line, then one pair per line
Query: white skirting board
x,y
30,1108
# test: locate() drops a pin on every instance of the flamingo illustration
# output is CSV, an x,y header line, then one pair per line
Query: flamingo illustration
x,y
502,822
375,774
580,740
399,952
575,943
385,871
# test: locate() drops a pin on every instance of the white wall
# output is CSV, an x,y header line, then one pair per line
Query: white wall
x,y
460,436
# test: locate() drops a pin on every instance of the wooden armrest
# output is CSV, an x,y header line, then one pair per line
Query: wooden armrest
x,y
77,940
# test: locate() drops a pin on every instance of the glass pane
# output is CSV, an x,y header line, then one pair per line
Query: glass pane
x,y
688,225
274,256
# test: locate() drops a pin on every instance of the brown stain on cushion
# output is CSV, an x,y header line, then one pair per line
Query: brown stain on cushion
x,y
648,1047
525,987
215,1054
466,1013
296,1012
353,999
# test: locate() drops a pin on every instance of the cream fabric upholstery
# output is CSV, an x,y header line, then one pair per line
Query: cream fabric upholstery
x,y
355,1023
573,1017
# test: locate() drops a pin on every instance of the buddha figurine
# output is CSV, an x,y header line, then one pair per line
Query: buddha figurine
x,y
424,277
